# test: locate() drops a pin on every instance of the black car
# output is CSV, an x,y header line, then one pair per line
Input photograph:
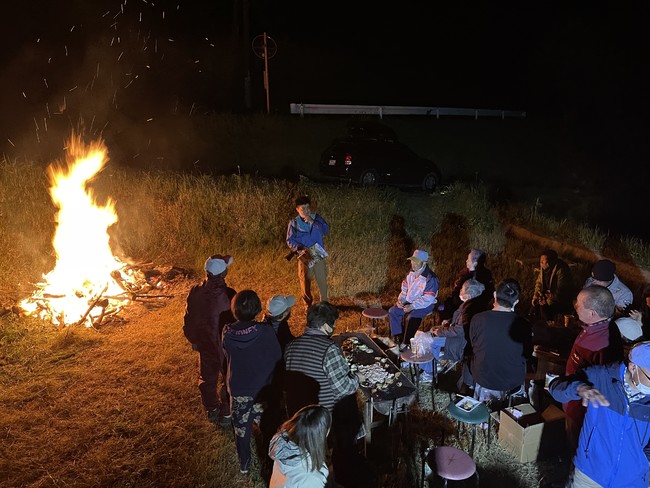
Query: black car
x,y
372,155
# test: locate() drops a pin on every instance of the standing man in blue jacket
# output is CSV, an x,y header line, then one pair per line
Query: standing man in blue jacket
x,y
614,445
305,238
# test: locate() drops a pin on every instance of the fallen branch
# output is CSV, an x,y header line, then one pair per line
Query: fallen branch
x,y
92,305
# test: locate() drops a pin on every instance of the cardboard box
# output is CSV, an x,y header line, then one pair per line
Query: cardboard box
x,y
522,430
521,436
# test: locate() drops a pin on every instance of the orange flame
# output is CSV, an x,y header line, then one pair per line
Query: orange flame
x,y
84,261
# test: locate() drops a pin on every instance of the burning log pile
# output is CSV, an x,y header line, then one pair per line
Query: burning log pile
x,y
135,282
88,285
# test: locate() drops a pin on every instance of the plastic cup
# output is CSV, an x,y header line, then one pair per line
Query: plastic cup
x,y
414,347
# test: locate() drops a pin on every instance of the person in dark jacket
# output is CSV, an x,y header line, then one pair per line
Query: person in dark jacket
x,y
475,269
501,345
454,333
207,310
614,446
554,287
599,342
278,311
252,353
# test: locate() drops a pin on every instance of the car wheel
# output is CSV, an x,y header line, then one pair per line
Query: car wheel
x,y
368,178
429,182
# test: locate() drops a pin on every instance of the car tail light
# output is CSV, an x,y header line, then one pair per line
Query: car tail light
x,y
348,159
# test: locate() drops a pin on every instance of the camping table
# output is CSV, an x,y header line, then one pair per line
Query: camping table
x,y
397,395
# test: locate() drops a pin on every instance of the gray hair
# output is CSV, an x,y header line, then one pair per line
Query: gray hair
x,y
472,288
477,255
600,300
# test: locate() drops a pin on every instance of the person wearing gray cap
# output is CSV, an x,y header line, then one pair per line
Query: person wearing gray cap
x,y
614,445
278,310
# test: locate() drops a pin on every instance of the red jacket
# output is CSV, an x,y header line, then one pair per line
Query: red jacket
x,y
597,344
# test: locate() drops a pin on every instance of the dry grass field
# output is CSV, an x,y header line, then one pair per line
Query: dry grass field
x,y
117,405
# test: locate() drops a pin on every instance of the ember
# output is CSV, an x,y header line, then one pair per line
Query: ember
x,y
88,282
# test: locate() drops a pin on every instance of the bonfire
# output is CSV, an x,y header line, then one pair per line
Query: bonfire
x,y
88,282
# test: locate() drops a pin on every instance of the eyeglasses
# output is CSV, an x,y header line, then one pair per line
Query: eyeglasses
x,y
644,373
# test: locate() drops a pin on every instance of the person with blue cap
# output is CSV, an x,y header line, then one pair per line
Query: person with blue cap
x,y
614,445
416,300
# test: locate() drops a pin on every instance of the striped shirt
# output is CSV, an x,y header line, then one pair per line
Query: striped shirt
x,y
320,358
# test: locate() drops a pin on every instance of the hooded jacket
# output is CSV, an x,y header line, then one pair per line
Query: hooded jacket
x,y
207,310
290,466
252,353
615,440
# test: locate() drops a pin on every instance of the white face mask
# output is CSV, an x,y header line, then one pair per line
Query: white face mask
x,y
328,329
640,386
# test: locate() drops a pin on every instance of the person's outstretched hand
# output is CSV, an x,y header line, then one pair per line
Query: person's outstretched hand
x,y
589,394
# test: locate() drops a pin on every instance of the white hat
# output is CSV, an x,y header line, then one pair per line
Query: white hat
x,y
630,329
279,303
217,264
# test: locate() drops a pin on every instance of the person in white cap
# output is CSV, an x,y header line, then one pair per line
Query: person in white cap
x,y
278,310
416,300
206,313
630,329
614,445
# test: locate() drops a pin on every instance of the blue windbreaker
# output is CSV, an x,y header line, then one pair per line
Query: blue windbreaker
x,y
613,449
300,234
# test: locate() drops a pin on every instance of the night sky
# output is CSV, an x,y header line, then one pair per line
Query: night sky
x,y
98,63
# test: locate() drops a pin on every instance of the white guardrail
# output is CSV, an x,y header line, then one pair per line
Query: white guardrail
x,y
381,110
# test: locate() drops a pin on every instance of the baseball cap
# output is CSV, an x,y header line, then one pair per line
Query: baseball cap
x,y
640,354
217,264
419,255
603,270
279,303
630,329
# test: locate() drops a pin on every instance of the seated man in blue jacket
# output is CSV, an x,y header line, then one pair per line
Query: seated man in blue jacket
x,y
416,300
614,445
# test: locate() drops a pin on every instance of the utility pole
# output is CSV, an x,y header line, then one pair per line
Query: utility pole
x,y
264,47
266,74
